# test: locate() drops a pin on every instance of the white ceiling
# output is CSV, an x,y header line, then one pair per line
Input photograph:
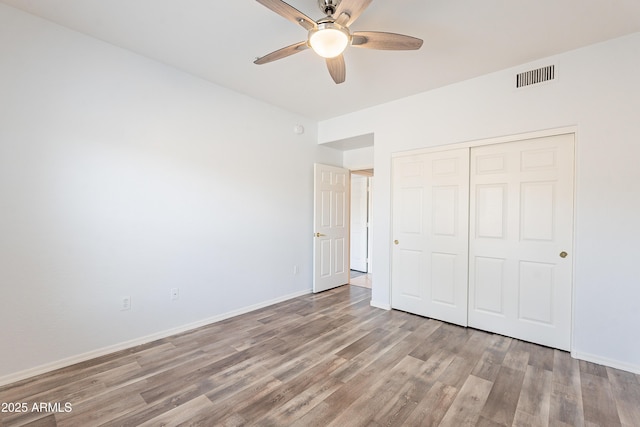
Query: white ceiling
x,y
218,41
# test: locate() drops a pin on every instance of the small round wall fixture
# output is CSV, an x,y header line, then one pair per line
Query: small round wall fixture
x,y
298,129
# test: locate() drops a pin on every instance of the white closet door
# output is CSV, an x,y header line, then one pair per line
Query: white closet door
x,y
520,243
430,233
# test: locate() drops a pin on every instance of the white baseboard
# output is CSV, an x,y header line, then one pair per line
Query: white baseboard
x,y
49,367
606,362
383,306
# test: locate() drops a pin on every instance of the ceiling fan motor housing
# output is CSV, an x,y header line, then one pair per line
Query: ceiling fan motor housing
x,y
328,7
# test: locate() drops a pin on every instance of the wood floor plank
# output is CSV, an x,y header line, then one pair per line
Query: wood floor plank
x,y
266,328
75,392
332,359
141,415
302,403
443,336
239,377
534,402
227,406
502,402
593,369
489,363
365,359
434,368
430,410
172,381
362,344
599,404
333,341
566,395
28,419
410,321
457,372
298,336
626,392
112,405
486,422
414,391
341,399
45,421
516,358
195,411
468,350
288,390
36,385
396,410
363,410
319,415
465,409
539,356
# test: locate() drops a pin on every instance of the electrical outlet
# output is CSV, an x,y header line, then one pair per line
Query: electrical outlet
x,y
295,270
125,303
175,293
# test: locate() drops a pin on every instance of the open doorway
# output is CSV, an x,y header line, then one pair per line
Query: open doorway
x,y
357,157
361,261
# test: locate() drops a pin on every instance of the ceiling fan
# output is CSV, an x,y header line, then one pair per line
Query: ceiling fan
x,y
330,36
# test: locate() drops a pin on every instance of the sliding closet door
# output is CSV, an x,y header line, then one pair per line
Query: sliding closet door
x,y
430,235
521,232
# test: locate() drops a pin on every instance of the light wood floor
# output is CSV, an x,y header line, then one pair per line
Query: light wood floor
x,y
332,360
363,280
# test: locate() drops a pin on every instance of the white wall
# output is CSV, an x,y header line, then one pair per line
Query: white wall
x,y
357,159
121,176
598,91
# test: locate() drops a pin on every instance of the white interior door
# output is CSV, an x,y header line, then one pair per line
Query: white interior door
x,y
331,227
359,219
521,233
430,232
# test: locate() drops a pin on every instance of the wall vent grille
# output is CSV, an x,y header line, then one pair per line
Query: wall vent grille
x,y
536,76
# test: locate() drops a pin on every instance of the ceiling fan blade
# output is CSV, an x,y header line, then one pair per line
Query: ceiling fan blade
x,y
349,10
337,69
289,12
384,41
282,53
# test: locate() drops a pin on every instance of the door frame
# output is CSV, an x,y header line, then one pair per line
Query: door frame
x,y
500,140
368,174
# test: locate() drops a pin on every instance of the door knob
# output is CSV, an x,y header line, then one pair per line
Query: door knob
x,y
318,234
563,254
395,242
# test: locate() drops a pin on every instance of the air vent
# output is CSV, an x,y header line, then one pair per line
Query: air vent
x,y
536,76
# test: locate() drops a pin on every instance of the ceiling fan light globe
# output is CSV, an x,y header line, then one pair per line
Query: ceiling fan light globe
x,y
329,40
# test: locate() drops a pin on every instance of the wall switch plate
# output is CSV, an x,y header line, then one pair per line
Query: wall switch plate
x,y
175,293
295,270
125,303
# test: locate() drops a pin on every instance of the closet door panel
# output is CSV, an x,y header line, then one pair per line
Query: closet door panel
x,y
521,233
430,234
